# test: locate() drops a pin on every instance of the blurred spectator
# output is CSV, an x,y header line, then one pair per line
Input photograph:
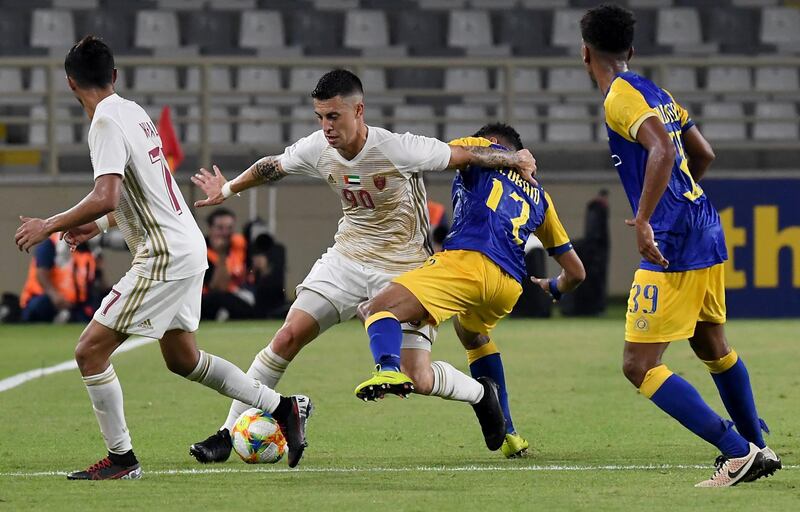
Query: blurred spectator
x,y
591,298
268,273
224,293
439,225
59,283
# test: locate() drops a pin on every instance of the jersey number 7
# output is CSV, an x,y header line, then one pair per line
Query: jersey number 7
x,y
157,157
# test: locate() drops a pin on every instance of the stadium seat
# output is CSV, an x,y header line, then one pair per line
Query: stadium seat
x,y
463,120
52,29
420,31
260,81
213,32
15,32
38,131
233,5
777,79
735,30
11,82
219,83
569,80
544,4
219,132
304,80
76,4
526,122
38,84
261,29
154,78
366,29
472,31
442,4
567,31
303,123
715,127
780,26
180,5
568,123
678,27
729,79
650,3
259,131
317,32
679,79
109,24
524,30
157,29
467,80
764,129
408,120
493,4
374,82
335,5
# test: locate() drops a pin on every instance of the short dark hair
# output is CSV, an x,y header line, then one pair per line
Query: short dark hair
x,y
608,28
501,130
219,212
338,82
90,63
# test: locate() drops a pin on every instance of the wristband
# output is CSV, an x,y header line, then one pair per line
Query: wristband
x,y
554,291
226,190
103,223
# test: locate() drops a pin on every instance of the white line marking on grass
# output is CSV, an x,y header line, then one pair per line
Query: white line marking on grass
x,y
22,378
424,469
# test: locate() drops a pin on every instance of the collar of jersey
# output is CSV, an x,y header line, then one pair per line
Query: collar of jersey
x,y
360,155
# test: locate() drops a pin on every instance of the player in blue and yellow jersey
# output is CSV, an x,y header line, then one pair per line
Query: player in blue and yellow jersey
x,y
678,291
476,278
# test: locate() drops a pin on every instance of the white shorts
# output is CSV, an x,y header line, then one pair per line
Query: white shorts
x,y
141,306
340,285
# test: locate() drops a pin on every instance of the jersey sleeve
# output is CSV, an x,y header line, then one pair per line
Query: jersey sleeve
x,y
551,233
626,109
302,156
683,114
414,153
108,148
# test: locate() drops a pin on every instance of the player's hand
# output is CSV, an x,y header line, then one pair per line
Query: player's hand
x,y
30,233
544,284
78,235
526,166
645,239
211,185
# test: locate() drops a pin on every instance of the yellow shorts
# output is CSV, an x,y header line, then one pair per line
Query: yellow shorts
x,y
463,283
666,306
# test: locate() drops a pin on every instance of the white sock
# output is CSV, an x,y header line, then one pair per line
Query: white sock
x,y
452,384
267,368
106,396
229,380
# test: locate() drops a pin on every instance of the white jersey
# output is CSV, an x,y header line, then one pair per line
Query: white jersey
x,y
385,223
158,227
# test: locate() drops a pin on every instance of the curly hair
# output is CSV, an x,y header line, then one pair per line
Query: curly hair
x,y
338,82
608,28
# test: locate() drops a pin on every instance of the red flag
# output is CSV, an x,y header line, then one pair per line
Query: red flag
x,y
171,145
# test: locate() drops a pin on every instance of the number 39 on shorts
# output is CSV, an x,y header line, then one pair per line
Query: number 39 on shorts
x,y
644,298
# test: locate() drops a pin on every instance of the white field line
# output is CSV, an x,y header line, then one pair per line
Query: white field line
x,y
22,378
424,469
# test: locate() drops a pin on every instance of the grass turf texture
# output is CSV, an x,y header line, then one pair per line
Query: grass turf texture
x,y
568,398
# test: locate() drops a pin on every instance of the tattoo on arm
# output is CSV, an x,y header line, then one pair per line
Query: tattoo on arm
x,y
491,157
268,169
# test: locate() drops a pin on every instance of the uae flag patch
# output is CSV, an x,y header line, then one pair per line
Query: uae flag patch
x,y
352,179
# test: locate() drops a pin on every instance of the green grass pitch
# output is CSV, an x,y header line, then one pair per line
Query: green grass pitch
x,y
591,433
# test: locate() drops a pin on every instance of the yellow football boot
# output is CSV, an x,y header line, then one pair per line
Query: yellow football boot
x,y
383,382
515,446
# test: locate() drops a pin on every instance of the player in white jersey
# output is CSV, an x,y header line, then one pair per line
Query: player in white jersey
x,y
159,297
383,232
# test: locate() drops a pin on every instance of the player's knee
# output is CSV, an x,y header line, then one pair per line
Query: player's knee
x,y
635,370
288,341
180,366
474,342
366,310
86,355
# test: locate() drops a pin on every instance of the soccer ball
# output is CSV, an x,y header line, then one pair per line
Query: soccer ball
x,y
257,438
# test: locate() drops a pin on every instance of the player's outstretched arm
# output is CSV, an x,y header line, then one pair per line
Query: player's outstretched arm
x,y
571,276
699,152
103,199
218,189
522,160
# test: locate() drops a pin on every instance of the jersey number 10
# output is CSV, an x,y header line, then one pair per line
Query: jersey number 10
x,y
493,201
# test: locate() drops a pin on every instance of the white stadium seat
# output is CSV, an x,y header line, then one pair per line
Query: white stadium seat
x,y
765,129
716,127
157,29
366,29
566,123
52,29
408,120
261,29
259,131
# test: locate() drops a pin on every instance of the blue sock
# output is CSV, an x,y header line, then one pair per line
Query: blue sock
x,y
673,395
486,362
385,339
733,382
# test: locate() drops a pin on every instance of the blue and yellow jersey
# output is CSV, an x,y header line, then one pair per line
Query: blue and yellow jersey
x,y
495,211
686,226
